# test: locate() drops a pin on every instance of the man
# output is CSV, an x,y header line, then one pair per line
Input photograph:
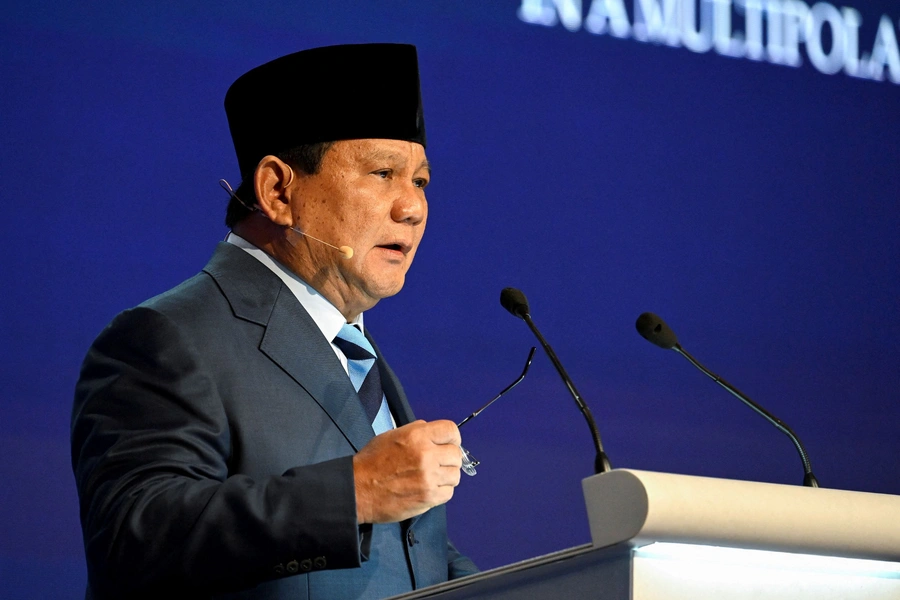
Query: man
x,y
224,433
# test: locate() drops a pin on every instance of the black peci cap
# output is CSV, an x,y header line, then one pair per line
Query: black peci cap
x,y
325,95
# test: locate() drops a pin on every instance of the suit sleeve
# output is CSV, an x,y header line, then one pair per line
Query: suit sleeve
x,y
457,564
150,452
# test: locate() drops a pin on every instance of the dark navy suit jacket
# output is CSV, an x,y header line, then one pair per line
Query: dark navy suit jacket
x,y
212,440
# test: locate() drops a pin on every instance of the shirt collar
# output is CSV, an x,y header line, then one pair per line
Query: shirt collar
x,y
327,317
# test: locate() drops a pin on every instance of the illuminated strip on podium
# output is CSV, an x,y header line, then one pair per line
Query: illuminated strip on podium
x,y
690,571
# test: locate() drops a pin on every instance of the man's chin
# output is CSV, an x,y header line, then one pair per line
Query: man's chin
x,y
380,290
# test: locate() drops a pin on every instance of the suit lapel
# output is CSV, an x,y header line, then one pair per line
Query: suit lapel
x,y
294,342
291,339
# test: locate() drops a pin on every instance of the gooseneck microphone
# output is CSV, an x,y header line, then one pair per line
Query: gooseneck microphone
x,y
515,302
654,329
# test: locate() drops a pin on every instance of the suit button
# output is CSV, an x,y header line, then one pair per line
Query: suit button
x,y
292,567
411,538
278,569
319,562
305,565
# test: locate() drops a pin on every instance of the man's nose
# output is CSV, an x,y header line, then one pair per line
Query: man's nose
x,y
410,206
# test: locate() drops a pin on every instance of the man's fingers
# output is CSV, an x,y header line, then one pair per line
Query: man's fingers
x,y
444,432
449,455
452,477
405,471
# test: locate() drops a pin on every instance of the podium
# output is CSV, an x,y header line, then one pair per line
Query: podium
x,y
664,536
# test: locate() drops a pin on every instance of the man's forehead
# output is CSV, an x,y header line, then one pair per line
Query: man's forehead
x,y
376,150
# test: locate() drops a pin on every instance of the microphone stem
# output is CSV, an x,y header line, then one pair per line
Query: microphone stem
x,y
809,480
601,462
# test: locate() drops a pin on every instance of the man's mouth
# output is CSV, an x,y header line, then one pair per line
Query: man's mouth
x,y
396,247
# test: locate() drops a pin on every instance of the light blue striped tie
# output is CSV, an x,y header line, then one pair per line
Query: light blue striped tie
x,y
365,379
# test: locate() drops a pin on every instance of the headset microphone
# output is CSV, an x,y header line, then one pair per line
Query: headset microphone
x,y
345,251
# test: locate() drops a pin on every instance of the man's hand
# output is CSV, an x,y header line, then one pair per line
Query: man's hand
x,y
405,471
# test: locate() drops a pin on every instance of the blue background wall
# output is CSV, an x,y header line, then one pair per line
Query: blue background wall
x,y
754,206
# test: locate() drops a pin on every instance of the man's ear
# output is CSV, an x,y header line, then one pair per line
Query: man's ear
x,y
270,180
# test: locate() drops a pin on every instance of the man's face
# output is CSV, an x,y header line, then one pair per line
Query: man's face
x,y
369,195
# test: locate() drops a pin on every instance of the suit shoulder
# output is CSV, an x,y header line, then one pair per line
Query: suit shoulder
x,y
190,296
232,282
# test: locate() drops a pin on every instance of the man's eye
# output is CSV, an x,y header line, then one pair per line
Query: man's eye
x,y
420,183
384,173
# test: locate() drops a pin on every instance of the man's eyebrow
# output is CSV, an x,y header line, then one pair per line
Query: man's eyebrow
x,y
387,155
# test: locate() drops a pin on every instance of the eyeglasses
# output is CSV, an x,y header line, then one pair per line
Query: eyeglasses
x,y
469,462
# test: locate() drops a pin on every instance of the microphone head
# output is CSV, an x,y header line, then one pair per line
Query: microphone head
x,y
654,329
514,301
347,251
